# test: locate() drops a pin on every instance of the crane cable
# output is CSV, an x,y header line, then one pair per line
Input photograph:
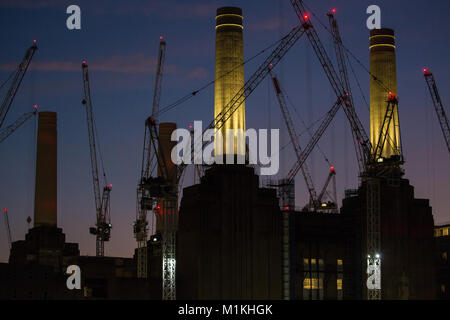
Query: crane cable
x,y
350,52
357,82
99,152
9,78
307,129
193,93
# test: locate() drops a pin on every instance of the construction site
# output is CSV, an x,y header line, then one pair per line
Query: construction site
x,y
224,231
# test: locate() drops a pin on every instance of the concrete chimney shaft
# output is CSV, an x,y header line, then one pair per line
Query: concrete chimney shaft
x,y
45,200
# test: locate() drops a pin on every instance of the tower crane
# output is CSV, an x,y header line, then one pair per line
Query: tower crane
x,y
373,188
377,169
163,188
8,229
145,203
17,80
315,201
360,138
294,139
9,130
369,170
338,48
333,204
392,105
438,106
102,229
361,142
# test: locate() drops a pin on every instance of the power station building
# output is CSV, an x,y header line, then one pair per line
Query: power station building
x,y
233,240
325,255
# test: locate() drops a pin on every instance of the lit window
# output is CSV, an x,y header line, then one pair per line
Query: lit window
x,y
307,283
315,283
312,283
339,284
444,255
445,232
443,288
339,262
313,261
305,261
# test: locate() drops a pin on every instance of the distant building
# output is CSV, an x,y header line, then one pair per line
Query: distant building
x,y
442,241
37,265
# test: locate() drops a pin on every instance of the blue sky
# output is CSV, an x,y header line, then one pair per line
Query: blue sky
x,y
120,39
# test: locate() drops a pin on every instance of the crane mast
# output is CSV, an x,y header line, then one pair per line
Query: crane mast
x,y
102,229
338,48
159,77
17,80
392,105
360,138
371,171
8,229
313,141
161,192
316,201
294,139
372,185
145,201
331,176
375,169
9,130
438,106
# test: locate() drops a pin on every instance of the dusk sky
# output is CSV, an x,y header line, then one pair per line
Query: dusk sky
x,y
119,40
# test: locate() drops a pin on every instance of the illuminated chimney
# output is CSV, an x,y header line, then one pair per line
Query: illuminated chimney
x,y
383,67
45,200
229,73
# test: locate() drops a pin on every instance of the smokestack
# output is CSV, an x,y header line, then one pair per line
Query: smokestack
x,y
166,145
229,73
165,149
383,67
45,199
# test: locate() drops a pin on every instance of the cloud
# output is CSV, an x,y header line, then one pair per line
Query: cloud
x,y
196,10
167,9
270,24
197,73
138,63
29,4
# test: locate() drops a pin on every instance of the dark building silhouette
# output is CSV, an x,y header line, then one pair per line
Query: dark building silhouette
x,y
229,238
233,241
37,265
407,246
45,243
320,256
